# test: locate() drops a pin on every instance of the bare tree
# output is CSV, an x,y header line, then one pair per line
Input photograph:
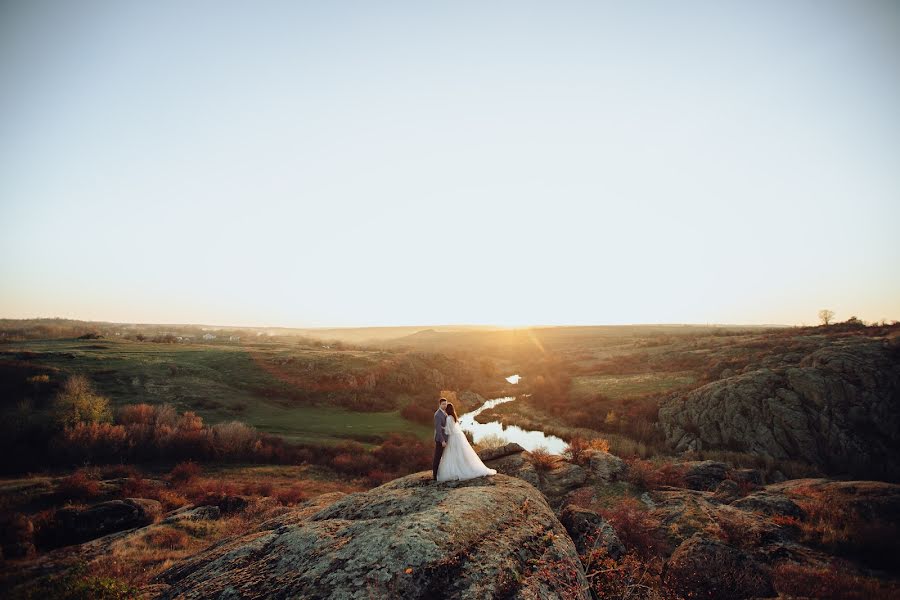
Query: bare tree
x,y
825,316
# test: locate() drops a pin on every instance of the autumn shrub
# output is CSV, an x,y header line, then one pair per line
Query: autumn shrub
x,y
233,440
637,529
291,494
185,472
135,414
258,488
135,486
168,538
417,414
542,459
601,444
380,476
169,499
404,452
80,486
576,450
77,402
647,475
354,464
89,442
631,577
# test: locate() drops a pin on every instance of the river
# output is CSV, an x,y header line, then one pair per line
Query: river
x,y
511,433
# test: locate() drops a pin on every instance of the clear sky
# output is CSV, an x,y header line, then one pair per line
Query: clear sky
x,y
405,163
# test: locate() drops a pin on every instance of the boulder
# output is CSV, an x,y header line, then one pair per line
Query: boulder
x,y
562,478
500,451
704,474
409,538
517,464
589,530
604,466
702,567
74,526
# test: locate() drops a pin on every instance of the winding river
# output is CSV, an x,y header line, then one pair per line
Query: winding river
x,y
511,433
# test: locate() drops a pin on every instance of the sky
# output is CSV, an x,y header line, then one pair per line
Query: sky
x,y
315,164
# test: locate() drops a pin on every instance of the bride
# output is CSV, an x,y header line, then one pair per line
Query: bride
x,y
459,460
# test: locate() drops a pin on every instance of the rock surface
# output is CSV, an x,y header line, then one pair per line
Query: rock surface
x,y
702,567
837,408
75,526
408,538
589,530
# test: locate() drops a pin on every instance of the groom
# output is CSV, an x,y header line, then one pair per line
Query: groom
x,y
440,438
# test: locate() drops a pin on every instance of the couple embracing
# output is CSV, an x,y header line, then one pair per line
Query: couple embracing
x,y
454,457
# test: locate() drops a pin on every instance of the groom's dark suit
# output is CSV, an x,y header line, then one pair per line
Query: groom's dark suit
x,y
440,420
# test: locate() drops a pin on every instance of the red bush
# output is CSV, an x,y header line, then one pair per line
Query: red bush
x,y
78,486
636,527
185,472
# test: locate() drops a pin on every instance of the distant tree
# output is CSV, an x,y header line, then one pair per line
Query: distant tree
x,y
825,316
77,403
855,322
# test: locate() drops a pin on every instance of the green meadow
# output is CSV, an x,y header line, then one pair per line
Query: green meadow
x,y
257,383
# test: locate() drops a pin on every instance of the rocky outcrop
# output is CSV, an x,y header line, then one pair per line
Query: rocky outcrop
x,y
769,503
589,531
838,408
559,477
704,474
703,567
409,538
72,526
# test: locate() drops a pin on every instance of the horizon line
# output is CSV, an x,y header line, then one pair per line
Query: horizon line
x,y
425,326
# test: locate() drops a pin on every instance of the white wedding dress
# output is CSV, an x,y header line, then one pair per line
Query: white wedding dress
x,y
459,460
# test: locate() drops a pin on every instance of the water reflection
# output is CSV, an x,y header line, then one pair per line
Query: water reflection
x,y
525,438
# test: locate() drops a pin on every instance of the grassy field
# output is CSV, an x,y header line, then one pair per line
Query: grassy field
x,y
622,386
253,383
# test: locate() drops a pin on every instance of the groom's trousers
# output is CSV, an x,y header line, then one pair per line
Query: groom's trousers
x,y
438,451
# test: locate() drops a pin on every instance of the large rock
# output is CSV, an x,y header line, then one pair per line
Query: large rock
x,y
516,464
408,538
562,478
605,466
74,526
838,408
589,531
702,567
704,474
500,451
